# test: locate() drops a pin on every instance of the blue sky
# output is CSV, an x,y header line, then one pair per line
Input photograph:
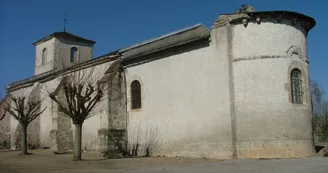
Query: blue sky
x,y
117,24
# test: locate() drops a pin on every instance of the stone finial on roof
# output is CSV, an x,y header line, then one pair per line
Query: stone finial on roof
x,y
245,9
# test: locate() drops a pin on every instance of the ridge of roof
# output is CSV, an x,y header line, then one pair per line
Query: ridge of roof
x,y
161,37
65,35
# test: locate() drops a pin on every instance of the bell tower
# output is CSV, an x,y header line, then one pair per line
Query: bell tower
x,y
60,50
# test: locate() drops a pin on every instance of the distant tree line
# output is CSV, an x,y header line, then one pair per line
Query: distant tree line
x,y
319,113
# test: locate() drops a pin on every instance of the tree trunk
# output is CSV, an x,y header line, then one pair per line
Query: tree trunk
x,y
24,139
78,142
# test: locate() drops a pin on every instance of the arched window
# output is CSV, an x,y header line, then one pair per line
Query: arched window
x,y
135,95
73,55
44,56
296,86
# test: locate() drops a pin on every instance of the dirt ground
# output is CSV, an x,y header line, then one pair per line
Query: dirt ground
x,y
44,161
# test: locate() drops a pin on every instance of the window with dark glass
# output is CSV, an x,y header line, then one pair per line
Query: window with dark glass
x,y
136,95
73,57
296,86
44,56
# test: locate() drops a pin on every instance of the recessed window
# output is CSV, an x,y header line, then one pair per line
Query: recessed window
x,y
135,95
44,56
296,86
74,55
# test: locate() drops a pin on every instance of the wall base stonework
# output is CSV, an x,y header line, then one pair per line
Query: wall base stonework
x,y
16,138
218,150
275,149
106,137
33,134
102,136
61,142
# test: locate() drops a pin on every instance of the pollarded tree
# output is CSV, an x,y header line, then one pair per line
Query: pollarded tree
x,y
25,106
76,95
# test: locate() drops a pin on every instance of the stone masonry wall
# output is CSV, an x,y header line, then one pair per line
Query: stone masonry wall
x,y
4,124
61,134
116,112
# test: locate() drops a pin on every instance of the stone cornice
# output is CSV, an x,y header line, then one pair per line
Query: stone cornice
x,y
272,16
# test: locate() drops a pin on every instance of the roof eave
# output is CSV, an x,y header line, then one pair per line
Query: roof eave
x,y
27,82
43,39
56,34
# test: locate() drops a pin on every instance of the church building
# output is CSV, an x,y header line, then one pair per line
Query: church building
x,y
239,89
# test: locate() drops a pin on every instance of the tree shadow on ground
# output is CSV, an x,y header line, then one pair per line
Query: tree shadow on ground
x,y
8,150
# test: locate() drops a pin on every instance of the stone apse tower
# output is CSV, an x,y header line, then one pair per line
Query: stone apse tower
x,y
269,81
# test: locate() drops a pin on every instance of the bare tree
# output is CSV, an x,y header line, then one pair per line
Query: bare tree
x,y
24,106
76,95
320,113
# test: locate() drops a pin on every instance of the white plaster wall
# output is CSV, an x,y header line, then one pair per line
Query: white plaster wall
x,y
262,102
184,100
267,38
46,118
50,46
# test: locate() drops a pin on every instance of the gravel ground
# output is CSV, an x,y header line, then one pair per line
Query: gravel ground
x,y
44,161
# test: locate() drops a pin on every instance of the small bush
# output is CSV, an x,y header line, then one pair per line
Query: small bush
x,y
118,146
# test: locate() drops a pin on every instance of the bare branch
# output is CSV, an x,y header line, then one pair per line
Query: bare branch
x,y
3,116
36,115
17,117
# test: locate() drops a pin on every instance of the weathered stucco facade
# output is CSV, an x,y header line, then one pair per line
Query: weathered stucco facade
x,y
268,124
219,93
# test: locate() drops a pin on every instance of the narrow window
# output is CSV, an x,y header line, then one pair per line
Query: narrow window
x,y
73,55
296,86
136,95
44,56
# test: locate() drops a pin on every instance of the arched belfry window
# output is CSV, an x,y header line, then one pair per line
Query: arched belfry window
x,y
74,55
135,95
296,86
44,56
